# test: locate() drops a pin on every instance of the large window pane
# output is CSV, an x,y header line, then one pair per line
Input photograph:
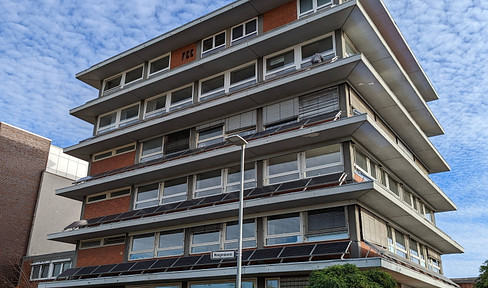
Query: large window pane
x,y
220,39
327,224
280,61
208,183
142,246
128,113
133,75
175,190
156,104
283,229
283,168
232,230
107,120
234,177
240,75
147,192
170,243
115,82
305,6
152,146
182,95
210,136
213,85
159,65
176,142
206,241
316,160
321,46
361,161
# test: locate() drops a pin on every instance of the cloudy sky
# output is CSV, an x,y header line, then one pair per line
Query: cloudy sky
x,y
44,43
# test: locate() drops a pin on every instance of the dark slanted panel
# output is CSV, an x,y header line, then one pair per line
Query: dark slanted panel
x,y
127,214
263,190
103,269
142,265
85,271
267,253
297,251
207,260
163,263
122,267
332,248
168,207
293,185
68,272
189,203
186,261
326,179
213,199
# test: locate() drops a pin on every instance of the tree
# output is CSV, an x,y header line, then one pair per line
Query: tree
x,y
482,281
348,275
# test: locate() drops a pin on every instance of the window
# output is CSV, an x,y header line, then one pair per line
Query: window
x,y
213,43
244,30
174,190
142,246
210,136
282,168
159,244
108,195
407,197
272,283
326,224
114,152
170,243
205,241
323,160
400,246
119,118
394,186
155,106
230,81
208,183
147,196
309,6
281,62
49,269
232,234
310,163
93,243
181,97
158,65
429,214
299,56
435,264
283,229
165,145
417,252
233,177
121,80
319,103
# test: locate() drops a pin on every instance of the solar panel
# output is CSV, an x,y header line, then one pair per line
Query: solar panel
x,y
293,185
103,269
127,214
263,190
186,261
122,267
142,265
207,260
325,179
163,263
332,248
232,196
94,220
267,253
109,218
68,273
297,251
168,207
189,203
148,210
85,271
213,199
245,256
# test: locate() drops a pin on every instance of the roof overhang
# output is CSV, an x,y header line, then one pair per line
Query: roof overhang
x,y
355,69
361,128
403,274
191,32
371,194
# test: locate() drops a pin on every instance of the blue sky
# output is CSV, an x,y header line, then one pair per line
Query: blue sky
x,y
43,44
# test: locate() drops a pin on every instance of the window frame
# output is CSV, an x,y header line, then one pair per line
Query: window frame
x,y
50,266
151,156
154,113
169,96
333,233
101,242
119,123
108,195
157,249
193,245
228,86
244,34
267,176
214,47
157,198
298,62
299,234
122,79
315,7
226,241
113,152
149,74
211,139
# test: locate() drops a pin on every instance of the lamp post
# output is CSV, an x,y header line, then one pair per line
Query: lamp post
x,y
239,141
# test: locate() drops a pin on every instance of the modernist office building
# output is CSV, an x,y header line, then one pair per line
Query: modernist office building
x,y
333,105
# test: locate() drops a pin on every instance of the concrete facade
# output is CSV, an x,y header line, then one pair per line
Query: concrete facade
x,y
334,108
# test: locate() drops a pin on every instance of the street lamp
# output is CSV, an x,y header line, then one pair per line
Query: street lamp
x,y
239,141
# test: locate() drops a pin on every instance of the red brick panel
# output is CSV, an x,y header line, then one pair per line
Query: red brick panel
x,y
107,207
101,256
183,55
280,16
23,158
112,163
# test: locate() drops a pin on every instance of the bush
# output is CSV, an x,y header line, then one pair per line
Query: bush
x,y
348,275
